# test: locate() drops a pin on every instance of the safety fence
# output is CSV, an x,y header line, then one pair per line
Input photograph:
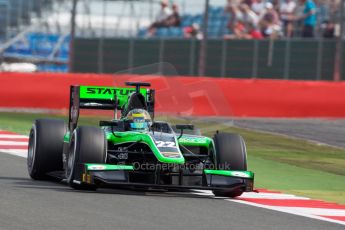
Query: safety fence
x,y
18,14
186,96
308,59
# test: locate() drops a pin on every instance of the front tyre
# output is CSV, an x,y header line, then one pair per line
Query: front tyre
x,y
88,145
45,147
230,151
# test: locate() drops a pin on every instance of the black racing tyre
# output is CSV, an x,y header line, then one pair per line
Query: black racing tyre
x,y
88,145
45,147
230,153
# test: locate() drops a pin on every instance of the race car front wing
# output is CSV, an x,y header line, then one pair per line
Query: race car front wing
x,y
106,175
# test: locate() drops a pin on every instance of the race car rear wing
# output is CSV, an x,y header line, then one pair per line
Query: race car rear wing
x,y
104,98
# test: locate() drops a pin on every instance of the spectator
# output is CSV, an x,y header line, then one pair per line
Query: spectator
x,y
323,12
287,14
161,18
248,2
328,29
258,6
298,24
193,31
234,24
231,3
269,22
249,18
254,33
309,18
243,23
268,18
333,7
241,33
165,11
275,4
174,20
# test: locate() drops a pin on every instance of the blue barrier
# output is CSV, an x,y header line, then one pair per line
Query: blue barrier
x,y
41,45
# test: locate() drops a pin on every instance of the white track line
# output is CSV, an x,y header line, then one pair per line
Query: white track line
x,y
273,196
318,211
290,210
261,195
17,149
14,143
13,136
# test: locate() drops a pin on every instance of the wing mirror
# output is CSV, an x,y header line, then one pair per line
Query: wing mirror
x,y
187,127
184,127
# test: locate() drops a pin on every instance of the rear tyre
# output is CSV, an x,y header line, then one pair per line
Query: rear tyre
x,y
45,148
88,145
230,153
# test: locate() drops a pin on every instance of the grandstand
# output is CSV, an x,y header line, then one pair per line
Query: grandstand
x,y
16,14
27,37
38,31
217,21
42,48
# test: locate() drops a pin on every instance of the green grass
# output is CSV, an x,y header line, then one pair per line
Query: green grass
x,y
280,163
22,122
296,180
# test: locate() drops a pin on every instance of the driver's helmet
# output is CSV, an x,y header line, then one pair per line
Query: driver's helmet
x,y
138,120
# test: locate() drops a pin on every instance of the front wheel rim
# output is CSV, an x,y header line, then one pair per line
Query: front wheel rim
x,y
31,150
70,161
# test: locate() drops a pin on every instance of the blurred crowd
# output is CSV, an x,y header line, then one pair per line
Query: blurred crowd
x,y
257,19
170,17
166,17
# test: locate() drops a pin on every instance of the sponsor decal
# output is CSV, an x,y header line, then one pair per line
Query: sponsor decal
x,y
165,144
171,154
97,167
199,140
109,91
92,104
122,156
108,167
240,174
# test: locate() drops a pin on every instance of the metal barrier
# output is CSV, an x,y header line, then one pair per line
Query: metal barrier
x,y
275,59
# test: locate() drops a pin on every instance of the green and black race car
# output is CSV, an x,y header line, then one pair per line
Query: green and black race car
x,y
134,151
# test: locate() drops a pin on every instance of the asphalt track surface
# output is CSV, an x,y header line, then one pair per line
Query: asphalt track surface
x,y
327,131
28,204
324,131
